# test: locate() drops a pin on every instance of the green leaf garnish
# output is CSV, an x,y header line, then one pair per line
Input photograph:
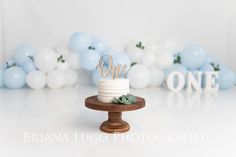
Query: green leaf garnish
x,y
131,98
125,99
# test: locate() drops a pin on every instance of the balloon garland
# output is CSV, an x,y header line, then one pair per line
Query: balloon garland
x,y
52,67
148,64
164,58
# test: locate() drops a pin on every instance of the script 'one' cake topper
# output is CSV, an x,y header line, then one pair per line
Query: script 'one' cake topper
x,y
105,69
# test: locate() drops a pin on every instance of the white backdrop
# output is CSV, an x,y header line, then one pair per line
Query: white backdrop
x,y
44,23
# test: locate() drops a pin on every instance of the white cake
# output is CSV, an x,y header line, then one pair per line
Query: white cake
x,y
109,89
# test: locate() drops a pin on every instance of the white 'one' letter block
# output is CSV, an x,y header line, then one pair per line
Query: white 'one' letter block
x,y
210,81
175,86
194,83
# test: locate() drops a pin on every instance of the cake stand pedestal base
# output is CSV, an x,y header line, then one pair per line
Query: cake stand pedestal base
x,y
114,124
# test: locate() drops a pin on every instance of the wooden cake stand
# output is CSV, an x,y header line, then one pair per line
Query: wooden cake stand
x,y
114,124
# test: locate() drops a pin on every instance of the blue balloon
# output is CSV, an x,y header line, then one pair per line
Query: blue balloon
x,y
96,76
226,78
29,66
9,64
210,59
99,45
176,67
80,41
89,59
234,79
109,51
1,74
222,66
193,56
206,67
22,53
14,77
122,59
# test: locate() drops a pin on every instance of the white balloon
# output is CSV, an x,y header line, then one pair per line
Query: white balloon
x,y
131,45
152,48
36,79
135,55
45,60
164,60
56,79
149,59
134,52
73,60
62,66
139,76
61,49
157,76
71,77
167,45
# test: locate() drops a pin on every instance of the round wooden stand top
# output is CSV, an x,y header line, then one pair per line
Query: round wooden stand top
x,y
93,103
114,124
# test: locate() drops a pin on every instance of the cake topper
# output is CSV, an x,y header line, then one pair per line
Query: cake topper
x,y
116,71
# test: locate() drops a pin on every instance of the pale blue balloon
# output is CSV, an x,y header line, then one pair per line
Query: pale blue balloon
x,y
99,45
89,59
226,78
234,79
14,77
1,75
9,64
206,67
222,66
29,66
96,76
80,41
193,56
176,67
122,59
109,51
210,59
22,53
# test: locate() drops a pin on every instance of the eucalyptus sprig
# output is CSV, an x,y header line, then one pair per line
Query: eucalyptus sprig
x,y
133,63
125,99
216,67
61,59
177,59
140,45
91,48
10,65
31,57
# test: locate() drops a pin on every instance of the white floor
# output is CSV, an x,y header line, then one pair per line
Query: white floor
x,y
43,123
